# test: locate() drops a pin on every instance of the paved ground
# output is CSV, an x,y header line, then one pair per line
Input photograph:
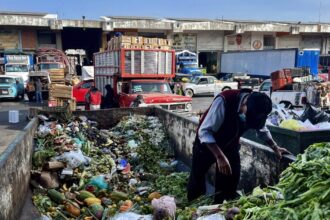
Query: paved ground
x,y
8,130
201,103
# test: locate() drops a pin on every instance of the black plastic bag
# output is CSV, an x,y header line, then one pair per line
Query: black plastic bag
x,y
314,115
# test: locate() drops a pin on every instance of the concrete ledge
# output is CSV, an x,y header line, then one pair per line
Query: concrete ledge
x,y
15,167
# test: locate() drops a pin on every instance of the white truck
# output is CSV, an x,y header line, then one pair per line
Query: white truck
x,y
207,85
289,98
18,66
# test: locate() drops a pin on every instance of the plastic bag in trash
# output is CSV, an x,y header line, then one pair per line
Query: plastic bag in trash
x,y
323,126
122,164
292,124
44,130
78,142
131,216
168,166
44,217
43,118
98,182
132,144
315,115
164,207
216,216
73,159
132,182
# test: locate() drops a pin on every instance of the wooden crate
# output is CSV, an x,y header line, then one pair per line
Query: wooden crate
x,y
148,47
60,91
147,41
136,46
125,39
136,40
165,47
169,42
160,42
56,71
61,87
125,45
155,47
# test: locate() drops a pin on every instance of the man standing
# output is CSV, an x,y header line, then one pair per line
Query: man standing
x,y
109,101
93,99
138,102
39,91
30,88
217,141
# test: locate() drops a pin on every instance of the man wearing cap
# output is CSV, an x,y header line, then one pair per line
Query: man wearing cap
x,y
217,141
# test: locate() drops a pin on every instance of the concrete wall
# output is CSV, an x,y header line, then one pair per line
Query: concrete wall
x,y
15,167
311,42
210,41
259,164
289,41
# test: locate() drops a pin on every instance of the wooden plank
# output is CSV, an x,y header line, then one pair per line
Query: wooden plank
x,y
58,95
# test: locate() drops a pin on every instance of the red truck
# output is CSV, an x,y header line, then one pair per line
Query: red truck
x,y
145,72
80,90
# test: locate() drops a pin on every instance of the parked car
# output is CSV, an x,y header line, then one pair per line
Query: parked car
x,y
207,85
11,87
80,90
249,83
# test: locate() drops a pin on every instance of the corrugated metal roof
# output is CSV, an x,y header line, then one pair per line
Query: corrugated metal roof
x,y
190,19
269,22
37,14
132,18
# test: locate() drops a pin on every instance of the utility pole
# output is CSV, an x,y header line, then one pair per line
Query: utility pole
x,y
320,11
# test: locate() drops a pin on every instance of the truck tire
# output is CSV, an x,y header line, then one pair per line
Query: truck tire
x,y
226,88
189,93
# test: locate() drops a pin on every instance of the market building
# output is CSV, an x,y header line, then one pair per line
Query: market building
x,y
26,32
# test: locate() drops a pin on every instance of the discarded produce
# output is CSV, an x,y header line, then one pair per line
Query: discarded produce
x,y
103,173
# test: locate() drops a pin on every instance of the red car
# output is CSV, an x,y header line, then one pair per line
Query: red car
x,y
80,90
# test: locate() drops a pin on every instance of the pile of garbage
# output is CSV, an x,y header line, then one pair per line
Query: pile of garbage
x,y
126,172
310,119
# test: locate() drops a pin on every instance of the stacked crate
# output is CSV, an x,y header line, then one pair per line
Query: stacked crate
x,y
60,94
136,42
57,76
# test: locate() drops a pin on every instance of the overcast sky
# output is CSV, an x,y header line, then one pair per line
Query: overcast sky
x,y
278,10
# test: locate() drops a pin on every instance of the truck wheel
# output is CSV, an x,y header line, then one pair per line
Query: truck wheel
x,y
226,88
189,93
